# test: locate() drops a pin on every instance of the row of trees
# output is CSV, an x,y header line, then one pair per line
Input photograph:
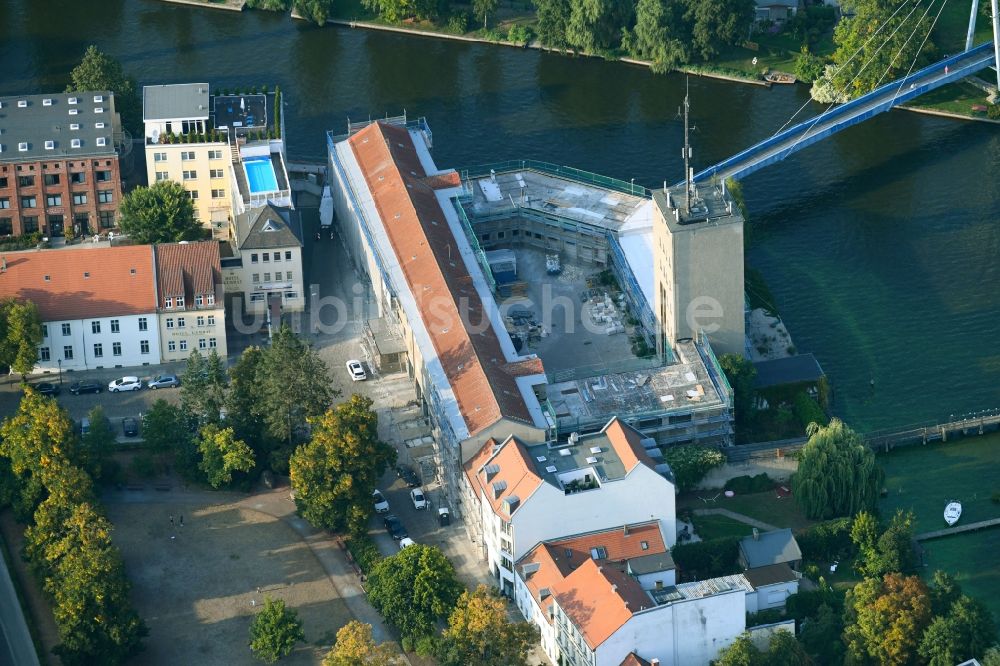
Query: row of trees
x,y
317,11
44,477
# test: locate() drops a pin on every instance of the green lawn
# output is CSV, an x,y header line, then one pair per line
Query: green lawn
x,y
716,527
924,478
957,98
766,507
949,33
972,559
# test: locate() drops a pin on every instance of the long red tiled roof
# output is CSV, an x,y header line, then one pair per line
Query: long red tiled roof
x,y
82,283
188,269
481,379
599,600
504,474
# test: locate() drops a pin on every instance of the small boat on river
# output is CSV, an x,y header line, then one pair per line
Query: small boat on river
x,y
952,512
779,77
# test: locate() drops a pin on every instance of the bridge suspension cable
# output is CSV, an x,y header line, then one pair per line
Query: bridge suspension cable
x,y
916,55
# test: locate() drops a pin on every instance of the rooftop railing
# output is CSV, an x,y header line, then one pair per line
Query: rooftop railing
x,y
558,170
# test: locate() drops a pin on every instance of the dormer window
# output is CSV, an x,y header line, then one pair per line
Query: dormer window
x,y
74,126
98,109
47,101
210,299
99,125
23,146
75,143
168,302
98,99
73,112
72,100
180,301
101,141
22,104
199,300
50,145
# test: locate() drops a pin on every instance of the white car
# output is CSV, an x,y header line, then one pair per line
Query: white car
x,y
419,501
381,504
356,370
406,543
125,384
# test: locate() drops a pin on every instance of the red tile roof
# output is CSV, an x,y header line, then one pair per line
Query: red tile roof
x,y
481,379
557,559
82,283
188,269
599,600
634,660
504,474
627,442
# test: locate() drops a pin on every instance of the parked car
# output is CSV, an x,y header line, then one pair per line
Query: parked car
x,y
76,388
45,388
419,501
381,504
163,381
84,425
130,426
394,526
407,474
356,370
125,384
406,543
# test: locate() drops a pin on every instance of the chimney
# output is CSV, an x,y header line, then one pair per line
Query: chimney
x,y
756,534
614,587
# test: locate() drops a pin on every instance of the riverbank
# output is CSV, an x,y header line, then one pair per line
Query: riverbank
x,y
228,5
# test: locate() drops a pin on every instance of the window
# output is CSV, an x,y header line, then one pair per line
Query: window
x,y
51,178
78,178
644,545
193,194
277,256
180,301
159,157
114,325
29,223
168,302
143,346
256,298
66,329
143,324
45,330
184,345
267,257
95,326
201,321
198,300
288,275
43,354
215,155
215,173
107,218
6,226
180,322
53,200
171,346
218,194
28,202
3,181
187,155
68,353
267,277
212,343
105,196
288,255
291,295
211,320
103,176
210,299
202,343
98,350
253,258
116,348
79,199
599,553
190,175
26,181
162,175
170,322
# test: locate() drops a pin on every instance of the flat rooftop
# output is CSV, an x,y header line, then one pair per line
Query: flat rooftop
x,y
590,204
179,101
708,204
248,111
551,463
700,589
57,125
682,386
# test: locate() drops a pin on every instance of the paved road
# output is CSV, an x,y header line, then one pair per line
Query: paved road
x,y
16,647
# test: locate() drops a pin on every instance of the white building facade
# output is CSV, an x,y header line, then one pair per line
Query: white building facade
x,y
120,341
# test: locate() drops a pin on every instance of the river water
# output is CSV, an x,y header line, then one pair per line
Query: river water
x,y
879,244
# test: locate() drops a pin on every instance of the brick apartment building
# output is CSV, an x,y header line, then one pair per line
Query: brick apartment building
x,y
59,172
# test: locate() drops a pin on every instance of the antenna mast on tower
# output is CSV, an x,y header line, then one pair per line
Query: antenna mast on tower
x,y
687,147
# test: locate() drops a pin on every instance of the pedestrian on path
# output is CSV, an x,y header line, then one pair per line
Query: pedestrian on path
x,y
182,520
171,520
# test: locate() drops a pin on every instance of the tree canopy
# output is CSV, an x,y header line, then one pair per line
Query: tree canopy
x,y
222,454
335,473
203,387
691,462
884,548
160,213
20,335
98,71
885,619
837,475
414,589
355,647
741,374
274,631
782,650
479,632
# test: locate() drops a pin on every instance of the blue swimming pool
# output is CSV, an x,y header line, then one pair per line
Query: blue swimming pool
x,y
260,175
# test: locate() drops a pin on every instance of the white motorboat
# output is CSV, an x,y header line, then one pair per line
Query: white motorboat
x,y
952,512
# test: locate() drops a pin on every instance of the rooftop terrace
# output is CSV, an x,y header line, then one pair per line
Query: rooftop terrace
x,y
700,589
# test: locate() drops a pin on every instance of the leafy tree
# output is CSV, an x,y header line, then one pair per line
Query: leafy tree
x,y
221,454
691,462
390,10
784,650
820,636
742,652
160,213
884,549
838,474
355,647
97,71
808,67
98,443
479,633
698,560
865,59
966,631
945,591
595,26
485,8
241,398
335,473
553,17
203,387
317,11
50,518
414,589
166,431
659,35
991,657
718,22
740,373
21,326
885,619
274,631
293,385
